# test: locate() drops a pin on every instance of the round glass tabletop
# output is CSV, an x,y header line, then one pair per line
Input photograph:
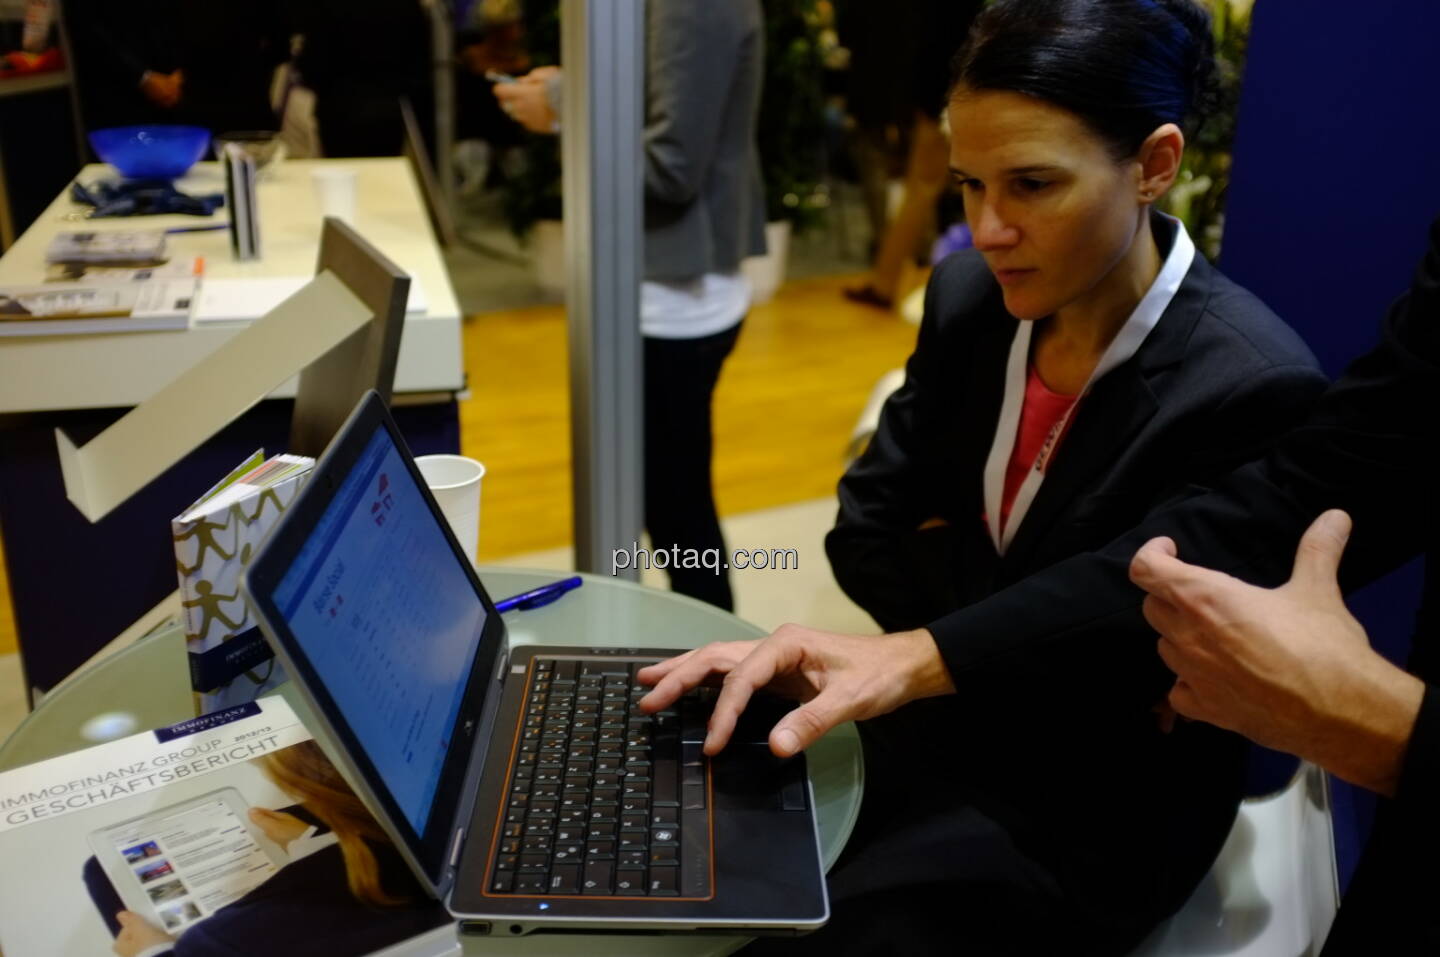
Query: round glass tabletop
x,y
147,685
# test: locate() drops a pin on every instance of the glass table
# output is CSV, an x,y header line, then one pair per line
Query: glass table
x,y
147,685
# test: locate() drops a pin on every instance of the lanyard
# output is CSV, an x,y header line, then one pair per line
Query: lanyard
x,y
1125,344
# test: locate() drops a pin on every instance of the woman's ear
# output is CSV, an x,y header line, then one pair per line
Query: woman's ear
x,y
1159,161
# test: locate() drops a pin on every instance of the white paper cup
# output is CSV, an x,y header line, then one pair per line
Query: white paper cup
x,y
454,480
335,189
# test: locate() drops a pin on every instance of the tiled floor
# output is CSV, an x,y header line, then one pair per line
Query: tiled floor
x,y
806,594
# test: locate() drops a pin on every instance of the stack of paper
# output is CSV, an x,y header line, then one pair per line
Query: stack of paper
x,y
191,268
60,308
235,301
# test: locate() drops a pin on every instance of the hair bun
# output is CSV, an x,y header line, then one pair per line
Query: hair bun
x,y
1204,88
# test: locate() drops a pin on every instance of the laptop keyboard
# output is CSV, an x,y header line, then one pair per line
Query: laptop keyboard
x,y
604,800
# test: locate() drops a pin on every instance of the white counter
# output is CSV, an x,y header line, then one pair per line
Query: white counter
x,y
122,369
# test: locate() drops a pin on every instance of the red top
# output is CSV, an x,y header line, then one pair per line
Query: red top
x,y
1041,411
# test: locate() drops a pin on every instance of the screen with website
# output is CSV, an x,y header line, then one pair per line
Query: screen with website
x,y
192,862
388,618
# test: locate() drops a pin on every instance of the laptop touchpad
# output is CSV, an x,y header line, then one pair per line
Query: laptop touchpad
x,y
748,775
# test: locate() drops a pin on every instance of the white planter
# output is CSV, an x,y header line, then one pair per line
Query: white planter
x,y
547,251
767,272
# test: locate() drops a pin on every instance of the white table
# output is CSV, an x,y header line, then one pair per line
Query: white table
x,y
48,373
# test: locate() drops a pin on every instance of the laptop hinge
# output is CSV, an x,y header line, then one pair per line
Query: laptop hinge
x,y
455,848
504,663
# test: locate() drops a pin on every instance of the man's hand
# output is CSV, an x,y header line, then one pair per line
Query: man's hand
x,y
163,89
839,677
1287,667
527,100
136,934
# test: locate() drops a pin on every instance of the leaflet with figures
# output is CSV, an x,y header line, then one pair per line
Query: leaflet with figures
x,y
230,662
198,829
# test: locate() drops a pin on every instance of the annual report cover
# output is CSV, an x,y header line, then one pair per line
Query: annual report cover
x,y
209,836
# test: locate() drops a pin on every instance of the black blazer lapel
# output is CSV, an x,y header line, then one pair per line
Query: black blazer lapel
x,y
1110,417
976,391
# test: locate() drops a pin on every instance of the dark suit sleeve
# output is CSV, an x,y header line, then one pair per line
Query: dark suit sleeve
x,y
1368,447
1246,425
883,499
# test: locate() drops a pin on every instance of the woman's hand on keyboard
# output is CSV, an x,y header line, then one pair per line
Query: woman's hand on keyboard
x,y
838,677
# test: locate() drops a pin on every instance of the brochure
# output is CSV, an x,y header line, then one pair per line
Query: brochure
x,y
61,308
121,247
230,662
190,268
183,827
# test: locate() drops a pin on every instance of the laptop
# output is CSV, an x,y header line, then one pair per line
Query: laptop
x,y
522,785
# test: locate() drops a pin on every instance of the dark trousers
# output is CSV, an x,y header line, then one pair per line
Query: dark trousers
x,y
680,377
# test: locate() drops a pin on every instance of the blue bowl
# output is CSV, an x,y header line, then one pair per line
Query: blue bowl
x,y
151,152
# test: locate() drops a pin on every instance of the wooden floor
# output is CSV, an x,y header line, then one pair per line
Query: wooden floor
x,y
787,401
7,618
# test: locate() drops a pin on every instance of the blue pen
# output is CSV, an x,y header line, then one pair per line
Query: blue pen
x,y
537,597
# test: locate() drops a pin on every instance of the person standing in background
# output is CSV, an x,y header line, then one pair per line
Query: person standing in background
x,y
194,62
363,58
931,27
704,213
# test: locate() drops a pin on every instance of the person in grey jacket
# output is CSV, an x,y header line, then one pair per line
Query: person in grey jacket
x,y
704,212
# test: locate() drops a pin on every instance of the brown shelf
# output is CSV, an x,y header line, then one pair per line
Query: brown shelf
x,y
34,82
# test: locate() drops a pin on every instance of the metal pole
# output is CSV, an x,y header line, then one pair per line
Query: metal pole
x,y
602,51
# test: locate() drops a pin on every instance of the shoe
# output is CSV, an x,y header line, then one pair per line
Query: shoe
x,y
867,296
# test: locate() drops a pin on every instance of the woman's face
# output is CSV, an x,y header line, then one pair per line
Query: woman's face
x,y
1049,207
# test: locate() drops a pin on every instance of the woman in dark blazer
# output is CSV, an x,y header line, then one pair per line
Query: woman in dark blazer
x,y
1217,378
1082,364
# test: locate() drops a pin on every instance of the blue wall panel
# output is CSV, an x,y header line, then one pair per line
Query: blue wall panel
x,y
1336,178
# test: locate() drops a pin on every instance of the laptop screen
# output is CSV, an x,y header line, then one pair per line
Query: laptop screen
x,y
386,615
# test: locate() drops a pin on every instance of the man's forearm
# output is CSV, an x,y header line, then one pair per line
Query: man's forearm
x,y
1365,737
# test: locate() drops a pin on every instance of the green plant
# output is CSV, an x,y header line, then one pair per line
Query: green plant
x,y
791,127
1198,196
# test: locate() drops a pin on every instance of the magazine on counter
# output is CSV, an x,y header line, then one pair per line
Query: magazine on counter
x,y
182,827
127,247
61,308
190,268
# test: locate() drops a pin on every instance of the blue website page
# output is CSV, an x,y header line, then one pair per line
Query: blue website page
x,y
384,611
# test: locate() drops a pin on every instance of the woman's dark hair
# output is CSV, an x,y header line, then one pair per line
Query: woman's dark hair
x,y
1124,67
